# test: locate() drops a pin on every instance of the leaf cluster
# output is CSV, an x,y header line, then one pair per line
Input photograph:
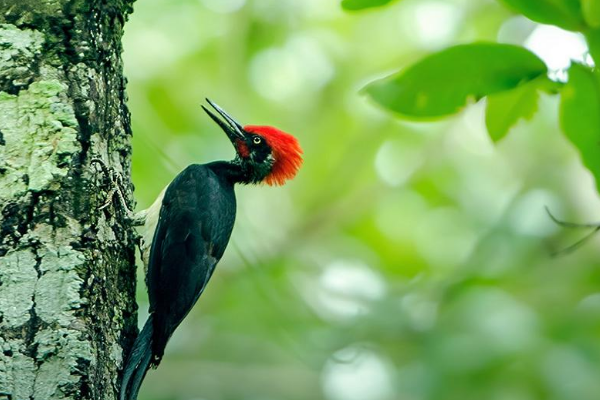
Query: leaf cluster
x,y
510,77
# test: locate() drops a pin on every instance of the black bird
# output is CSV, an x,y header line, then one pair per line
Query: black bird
x,y
190,225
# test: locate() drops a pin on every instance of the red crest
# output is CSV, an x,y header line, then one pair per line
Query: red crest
x,y
286,150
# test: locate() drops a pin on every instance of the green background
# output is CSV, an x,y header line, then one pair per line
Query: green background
x,y
407,260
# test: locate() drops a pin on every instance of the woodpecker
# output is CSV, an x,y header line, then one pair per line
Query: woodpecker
x,y
190,225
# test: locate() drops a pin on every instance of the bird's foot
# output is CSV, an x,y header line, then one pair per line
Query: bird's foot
x,y
116,188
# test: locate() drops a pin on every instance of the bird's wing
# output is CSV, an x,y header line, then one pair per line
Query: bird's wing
x,y
179,273
182,256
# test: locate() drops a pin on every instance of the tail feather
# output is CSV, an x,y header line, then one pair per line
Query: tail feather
x,y
138,363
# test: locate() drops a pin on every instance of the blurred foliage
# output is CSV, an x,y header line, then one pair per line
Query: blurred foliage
x,y
591,12
506,108
580,114
353,5
566,14
443,82
407,261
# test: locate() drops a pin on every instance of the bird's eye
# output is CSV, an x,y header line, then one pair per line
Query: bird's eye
x,y
257,140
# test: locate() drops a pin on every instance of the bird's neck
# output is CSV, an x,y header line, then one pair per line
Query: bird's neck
x,y
234,171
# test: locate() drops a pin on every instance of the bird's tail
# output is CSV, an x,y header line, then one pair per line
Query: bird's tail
x,y
138,363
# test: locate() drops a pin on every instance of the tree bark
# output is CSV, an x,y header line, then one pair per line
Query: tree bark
x,y
67,274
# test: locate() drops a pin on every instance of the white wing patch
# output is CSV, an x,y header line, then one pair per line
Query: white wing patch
x,y
152,214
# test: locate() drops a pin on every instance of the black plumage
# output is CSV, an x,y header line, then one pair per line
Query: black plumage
x,y
195,223
196,217
194,227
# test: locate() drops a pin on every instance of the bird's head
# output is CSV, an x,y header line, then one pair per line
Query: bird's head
x,y
266,154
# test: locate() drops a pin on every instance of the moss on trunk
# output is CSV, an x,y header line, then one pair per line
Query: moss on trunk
x,y
67,274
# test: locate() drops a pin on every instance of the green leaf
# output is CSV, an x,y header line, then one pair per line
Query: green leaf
x,y
563,13
548,86
442,83
593,40
580,115
591,12
505,109
354,5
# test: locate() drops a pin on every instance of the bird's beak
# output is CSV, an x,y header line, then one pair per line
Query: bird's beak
x,y
230,126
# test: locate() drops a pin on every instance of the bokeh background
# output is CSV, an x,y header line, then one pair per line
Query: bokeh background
x,y
407,261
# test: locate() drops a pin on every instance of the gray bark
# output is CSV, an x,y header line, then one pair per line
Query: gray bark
x,y
67,275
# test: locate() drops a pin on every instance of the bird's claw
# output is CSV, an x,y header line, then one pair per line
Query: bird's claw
x,y
108,202
102,164
116,183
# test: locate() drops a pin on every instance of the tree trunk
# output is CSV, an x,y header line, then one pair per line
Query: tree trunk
x,y
67,275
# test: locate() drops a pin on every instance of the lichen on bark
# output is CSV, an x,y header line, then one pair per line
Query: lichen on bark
x,y
67,275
